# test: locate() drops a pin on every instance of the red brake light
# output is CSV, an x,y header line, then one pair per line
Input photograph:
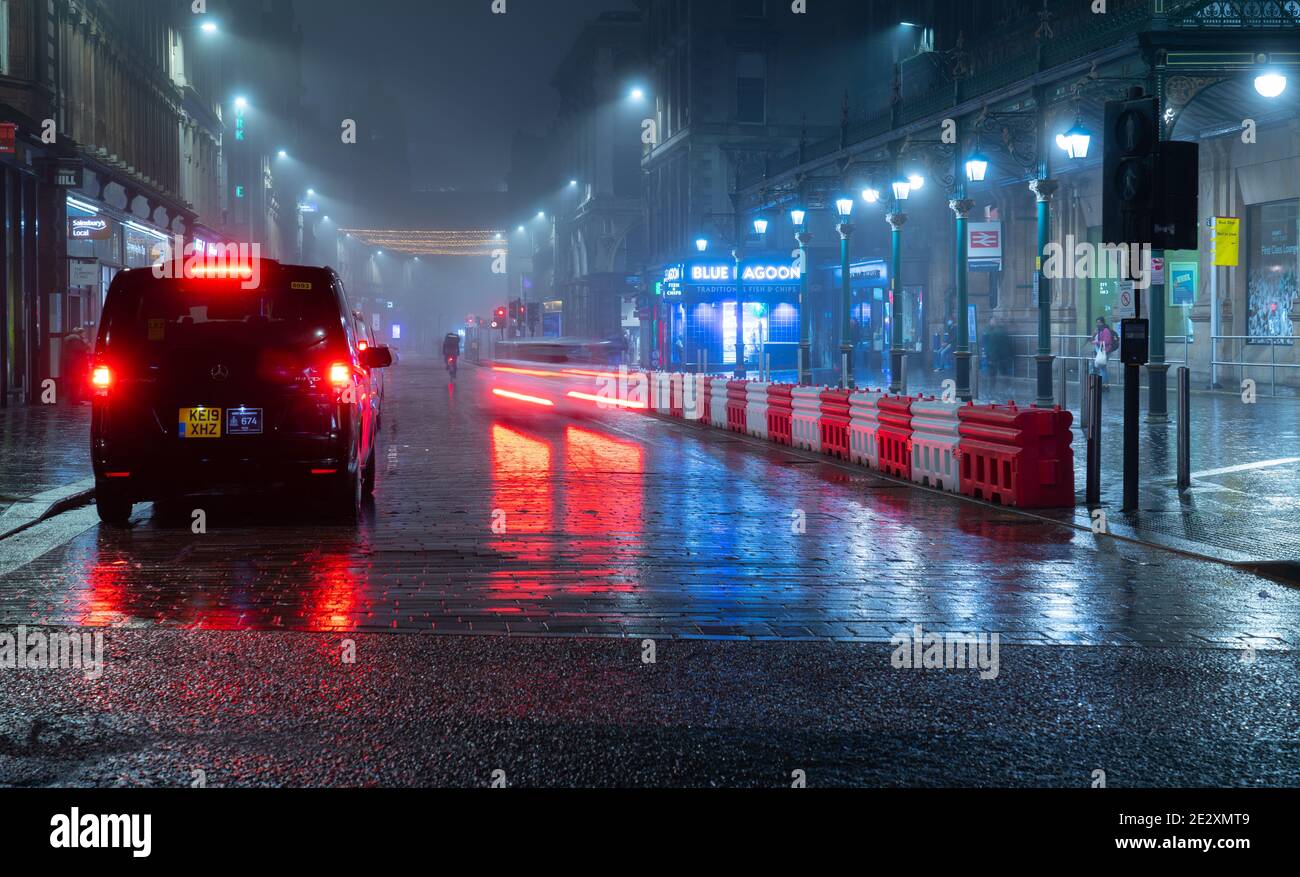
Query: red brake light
x,y
101,378
340,374
363,346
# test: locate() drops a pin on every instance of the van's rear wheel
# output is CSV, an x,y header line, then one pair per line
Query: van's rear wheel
x,y
368,477
113,504
347,498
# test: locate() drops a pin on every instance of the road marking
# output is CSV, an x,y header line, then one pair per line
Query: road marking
x,y
1246,467
22,548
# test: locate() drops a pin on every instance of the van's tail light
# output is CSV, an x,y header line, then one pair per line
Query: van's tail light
x,y
101,379
341,375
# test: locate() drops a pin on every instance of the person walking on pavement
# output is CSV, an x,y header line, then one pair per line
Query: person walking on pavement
x,y
1104,343
997,347
76,366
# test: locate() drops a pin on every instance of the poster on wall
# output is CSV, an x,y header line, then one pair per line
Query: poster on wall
x,y
1182,283
1272,276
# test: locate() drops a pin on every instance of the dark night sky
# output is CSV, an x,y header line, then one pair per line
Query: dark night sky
x,y
472,77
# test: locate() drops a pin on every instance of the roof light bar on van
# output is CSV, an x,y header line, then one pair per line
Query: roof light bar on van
x,y
220,272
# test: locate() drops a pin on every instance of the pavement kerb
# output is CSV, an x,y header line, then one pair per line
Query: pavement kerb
x,y
33,510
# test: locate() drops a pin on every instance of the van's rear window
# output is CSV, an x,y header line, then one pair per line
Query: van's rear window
x,y
184,312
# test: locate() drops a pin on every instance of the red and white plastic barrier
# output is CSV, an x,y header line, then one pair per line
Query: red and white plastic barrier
x,y
806,419
935,444
997,453
864,422
756,409
718,402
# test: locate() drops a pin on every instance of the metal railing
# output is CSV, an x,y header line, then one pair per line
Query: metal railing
x,y
1245,365
1078,349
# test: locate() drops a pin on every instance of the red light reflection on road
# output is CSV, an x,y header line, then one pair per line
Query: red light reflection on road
x,y
603,502
105,601
333,601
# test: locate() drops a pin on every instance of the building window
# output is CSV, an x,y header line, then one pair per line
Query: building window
x,y
1274,232
751,88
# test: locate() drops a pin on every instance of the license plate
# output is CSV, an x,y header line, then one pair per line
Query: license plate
x,y
200,423
243,421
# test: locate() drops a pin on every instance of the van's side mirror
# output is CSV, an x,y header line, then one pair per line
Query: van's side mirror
x,y
377,357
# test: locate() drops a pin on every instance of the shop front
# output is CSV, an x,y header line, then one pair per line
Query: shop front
x,y
698,302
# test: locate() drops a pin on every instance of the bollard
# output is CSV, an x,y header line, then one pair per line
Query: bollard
x,y
1094,441
1064,400
1184,429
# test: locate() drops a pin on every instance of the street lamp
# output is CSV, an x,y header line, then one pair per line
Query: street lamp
x,y
637,95
702,245
871,196
241,103
1270,85
282,154
209,27
977,167
799,218
902,189
760,227
916,181
844,207
1077,141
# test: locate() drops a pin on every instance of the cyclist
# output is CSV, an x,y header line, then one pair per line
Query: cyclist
x,y
451,352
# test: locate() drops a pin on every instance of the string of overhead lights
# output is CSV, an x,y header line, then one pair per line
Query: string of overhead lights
x,y
453,242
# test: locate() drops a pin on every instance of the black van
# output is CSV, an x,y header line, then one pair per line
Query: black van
x,y
202,383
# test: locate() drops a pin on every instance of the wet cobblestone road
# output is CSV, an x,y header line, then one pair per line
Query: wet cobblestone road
x,y
632,526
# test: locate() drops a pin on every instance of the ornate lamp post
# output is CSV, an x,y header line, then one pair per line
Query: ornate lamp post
x,y
804,238
844,207
902,190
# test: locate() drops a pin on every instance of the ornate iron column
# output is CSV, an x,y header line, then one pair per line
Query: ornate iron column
x,y
846,307
897,355
804,237
961,208
1045,190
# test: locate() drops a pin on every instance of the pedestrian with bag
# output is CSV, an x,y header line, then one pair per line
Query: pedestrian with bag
x,y
1104,343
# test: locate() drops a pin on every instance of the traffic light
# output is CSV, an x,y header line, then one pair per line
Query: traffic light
x,y
1178,187
1130,186
501,315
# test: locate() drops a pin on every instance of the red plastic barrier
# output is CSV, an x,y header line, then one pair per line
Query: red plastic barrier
x,y
677,400
780,411
894,436
835,423
737,399
706,401
1019,457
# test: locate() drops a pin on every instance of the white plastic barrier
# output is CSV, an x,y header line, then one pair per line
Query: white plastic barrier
x,y
718,402
935,438
806,422
864,420
756,409
693,402
661,395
